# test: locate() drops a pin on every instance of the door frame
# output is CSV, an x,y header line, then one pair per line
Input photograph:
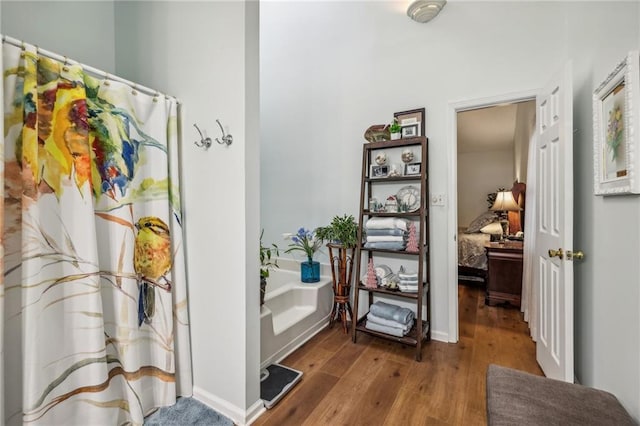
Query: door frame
x,y
453,108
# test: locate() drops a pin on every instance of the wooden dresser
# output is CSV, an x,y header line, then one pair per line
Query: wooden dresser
x,y
504,282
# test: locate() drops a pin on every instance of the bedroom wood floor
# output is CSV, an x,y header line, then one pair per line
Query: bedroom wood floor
x,y
377,382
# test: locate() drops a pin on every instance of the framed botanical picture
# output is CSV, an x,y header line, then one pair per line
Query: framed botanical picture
x,y
411,117
410,130
412,169
377,172
615,126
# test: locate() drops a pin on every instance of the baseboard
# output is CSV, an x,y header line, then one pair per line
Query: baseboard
x,y
239,416
440,336
255,411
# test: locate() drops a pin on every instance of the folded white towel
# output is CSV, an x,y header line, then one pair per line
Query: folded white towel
x,y
384,238
390,245
385,231
408,275
389,323
409,281
408,287
384,329
386,222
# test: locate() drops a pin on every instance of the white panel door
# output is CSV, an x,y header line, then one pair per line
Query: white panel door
x,y
554,227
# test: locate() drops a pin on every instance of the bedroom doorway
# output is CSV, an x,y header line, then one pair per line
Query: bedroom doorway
x,y
490,154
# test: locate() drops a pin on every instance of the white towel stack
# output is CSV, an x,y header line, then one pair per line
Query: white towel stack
x,y
408,281
388,233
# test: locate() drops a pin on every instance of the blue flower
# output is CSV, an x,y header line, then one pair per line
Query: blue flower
x,y
304,240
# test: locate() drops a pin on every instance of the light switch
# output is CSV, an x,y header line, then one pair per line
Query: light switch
x,y
438,199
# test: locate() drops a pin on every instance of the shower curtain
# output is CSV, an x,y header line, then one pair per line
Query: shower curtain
x,y
93,301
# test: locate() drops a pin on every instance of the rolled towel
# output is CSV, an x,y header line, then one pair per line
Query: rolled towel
x,y
392,312
389,323
384,329
386,231
386,222
384,238
394,245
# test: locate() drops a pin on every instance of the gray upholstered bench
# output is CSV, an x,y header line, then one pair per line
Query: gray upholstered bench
x,y
517,398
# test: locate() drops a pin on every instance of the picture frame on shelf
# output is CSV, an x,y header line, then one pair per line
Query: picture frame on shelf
x,y
615,125
412,169
378,172
410,130
412,117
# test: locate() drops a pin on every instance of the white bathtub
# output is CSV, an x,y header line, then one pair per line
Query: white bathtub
x,y
293,311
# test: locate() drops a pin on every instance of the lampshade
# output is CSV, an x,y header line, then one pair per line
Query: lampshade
x,y
425,10
505,202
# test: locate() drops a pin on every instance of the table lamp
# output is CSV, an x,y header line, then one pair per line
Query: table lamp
x,y
505,203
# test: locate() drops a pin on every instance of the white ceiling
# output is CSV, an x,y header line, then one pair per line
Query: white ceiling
x,y
487,129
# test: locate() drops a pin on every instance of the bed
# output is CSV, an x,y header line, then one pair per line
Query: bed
x,y
472,258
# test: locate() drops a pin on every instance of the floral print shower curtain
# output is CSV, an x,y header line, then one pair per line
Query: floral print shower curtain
x,y
93,301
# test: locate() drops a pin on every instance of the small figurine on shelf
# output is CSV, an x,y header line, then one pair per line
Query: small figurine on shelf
x,y
412,242
394,171
372,279
391,205
373,205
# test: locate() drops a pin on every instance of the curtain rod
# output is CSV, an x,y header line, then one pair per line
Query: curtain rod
x,y
18,43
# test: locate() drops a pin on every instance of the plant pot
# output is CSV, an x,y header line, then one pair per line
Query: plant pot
x,y
395,136
310,272
263,289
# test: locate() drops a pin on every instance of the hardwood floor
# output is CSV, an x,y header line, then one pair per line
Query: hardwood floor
x,y
377,382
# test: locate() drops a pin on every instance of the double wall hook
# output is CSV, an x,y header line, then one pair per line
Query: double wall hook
x,y
206,142
203,142
226,139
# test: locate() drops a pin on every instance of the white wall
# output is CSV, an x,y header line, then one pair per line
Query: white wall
x,y
83,31
206,54
480,173
329,70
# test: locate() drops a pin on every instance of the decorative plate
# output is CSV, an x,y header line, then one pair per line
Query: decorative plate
x,y
382,270
410,196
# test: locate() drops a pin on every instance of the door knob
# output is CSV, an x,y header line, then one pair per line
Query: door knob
x,y
556,253
577,255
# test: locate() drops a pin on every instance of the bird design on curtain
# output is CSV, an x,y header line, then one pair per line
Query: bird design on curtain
x,y
152,261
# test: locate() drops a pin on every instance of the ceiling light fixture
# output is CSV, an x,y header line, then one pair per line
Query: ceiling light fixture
x,y
425,10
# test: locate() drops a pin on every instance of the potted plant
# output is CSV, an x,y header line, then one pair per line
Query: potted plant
x,y
395,129
306,242
268,261
342,237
